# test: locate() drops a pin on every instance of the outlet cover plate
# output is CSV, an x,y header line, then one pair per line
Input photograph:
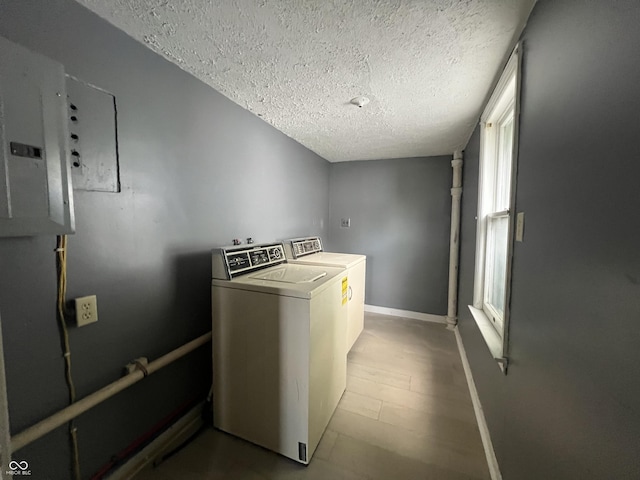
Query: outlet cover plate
x,y
86,310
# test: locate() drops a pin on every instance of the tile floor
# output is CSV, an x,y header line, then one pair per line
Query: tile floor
x,y
406,414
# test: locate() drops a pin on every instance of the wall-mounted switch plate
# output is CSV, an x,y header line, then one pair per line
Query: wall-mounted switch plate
x,y
86,310
345,223
520,227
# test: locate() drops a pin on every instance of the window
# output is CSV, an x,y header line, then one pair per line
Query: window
x,y
496,194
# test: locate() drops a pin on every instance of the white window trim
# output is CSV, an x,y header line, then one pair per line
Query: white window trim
x,y
496,341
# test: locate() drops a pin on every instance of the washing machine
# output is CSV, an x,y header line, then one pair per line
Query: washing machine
x,y
279,356
309,251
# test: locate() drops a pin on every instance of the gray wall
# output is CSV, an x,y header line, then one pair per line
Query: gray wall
x,y
569,407
145,251
400,214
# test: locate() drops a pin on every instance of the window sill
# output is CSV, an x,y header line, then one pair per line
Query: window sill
x,y
491,337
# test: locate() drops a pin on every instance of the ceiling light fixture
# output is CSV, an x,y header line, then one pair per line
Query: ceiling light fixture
x,y
360,101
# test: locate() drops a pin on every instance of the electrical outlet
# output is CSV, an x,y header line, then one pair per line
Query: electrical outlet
x,y
86,310
345,222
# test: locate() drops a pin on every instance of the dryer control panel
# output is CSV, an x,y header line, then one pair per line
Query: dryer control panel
x,y
229,262
299,247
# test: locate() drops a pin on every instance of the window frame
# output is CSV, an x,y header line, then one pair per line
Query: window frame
x,y
504,102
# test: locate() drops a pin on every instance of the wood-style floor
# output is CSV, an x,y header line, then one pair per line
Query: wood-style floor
x,y
406,414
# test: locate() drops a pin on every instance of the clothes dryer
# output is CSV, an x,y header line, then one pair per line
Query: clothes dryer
x,y
309,251
279,357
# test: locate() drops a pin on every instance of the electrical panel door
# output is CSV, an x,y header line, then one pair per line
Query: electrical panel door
x,y
92,132
35,179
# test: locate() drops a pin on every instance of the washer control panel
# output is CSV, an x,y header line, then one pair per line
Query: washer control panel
x,y
229,262
305,246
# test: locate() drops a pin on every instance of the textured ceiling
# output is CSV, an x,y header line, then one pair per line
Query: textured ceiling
x,y
426,66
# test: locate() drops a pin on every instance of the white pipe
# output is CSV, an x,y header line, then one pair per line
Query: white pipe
x,y
5,438
72,411
454,241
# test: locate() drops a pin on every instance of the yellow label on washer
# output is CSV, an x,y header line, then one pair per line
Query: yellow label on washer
x,y
345,288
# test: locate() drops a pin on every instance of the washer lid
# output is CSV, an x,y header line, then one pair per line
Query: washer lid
x,y
301,281
290,275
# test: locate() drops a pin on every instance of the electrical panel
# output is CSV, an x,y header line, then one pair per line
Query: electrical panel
x,y
36,196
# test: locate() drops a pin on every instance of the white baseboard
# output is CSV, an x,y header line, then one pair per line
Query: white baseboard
x,y
426,317
177,433
492,461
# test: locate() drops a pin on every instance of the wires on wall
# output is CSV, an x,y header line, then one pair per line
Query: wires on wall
x,y
61,261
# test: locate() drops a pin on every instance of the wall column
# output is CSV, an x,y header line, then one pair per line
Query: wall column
x,y
454,242
5,443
